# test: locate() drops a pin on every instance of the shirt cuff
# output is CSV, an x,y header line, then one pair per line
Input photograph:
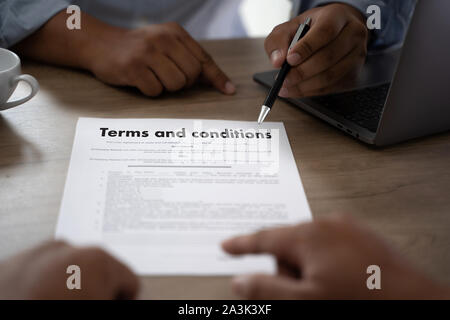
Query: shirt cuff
x,y
361,5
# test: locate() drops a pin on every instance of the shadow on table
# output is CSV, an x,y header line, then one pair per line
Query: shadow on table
x,y
80,91
14,149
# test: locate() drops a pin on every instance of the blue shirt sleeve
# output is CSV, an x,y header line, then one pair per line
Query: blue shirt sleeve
x,y
21,18
395,18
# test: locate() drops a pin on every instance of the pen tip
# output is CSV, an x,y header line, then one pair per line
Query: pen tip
x,y
263,114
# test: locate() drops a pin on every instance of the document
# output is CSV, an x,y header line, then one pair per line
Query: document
x,y
161,195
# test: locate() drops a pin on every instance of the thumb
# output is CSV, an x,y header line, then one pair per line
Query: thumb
x,y
267,287
277,42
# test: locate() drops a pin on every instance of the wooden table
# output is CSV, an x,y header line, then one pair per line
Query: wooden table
x,y
403,192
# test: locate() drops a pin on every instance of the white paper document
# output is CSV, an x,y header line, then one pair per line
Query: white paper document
x,y
163,194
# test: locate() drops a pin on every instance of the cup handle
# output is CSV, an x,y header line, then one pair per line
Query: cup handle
x,y
32,82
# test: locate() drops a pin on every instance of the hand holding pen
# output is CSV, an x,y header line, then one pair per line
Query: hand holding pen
x,y
273,93
335,46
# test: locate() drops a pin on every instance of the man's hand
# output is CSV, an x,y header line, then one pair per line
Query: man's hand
x,y
154,59
335,46
41,274
328,259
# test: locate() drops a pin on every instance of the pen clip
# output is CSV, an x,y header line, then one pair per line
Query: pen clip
x,y
299,32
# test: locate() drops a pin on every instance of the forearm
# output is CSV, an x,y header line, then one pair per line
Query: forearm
x,y
153,58
56,44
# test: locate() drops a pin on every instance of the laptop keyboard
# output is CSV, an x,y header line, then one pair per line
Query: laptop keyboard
x,y
364,107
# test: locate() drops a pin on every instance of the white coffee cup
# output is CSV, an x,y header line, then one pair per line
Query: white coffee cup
x,y
10,76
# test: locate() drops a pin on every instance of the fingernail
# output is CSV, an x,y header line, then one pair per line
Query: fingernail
x,y
230,88
284,93
294,59
275,56
240,285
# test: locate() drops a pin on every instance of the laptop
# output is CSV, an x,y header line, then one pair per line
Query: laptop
x,y
398,95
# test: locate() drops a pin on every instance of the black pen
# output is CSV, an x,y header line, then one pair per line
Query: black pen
x,y
273,94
